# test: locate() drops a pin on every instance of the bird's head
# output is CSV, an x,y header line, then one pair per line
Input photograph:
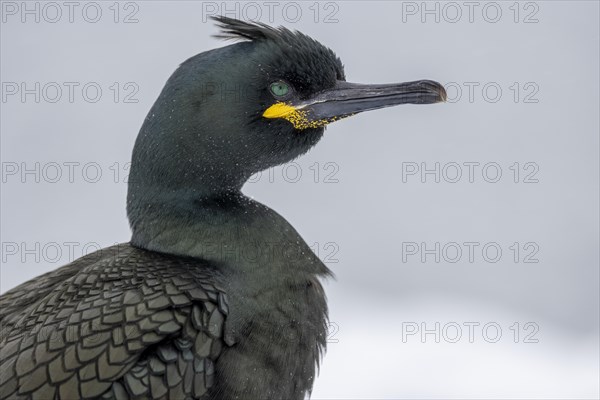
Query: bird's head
x,y
231,112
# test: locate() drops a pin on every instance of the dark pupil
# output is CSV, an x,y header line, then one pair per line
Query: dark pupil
x,y
280,89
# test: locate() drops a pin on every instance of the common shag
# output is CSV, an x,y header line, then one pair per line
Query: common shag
x,y
216,296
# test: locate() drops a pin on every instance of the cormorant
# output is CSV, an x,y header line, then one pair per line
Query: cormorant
x,y
216,296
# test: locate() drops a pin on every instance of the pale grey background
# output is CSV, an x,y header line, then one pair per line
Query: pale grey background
x,y
367,215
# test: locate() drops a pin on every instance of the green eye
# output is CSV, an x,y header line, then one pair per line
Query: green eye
x,y
280,89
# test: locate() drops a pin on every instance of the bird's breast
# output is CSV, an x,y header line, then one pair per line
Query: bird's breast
x,y
280,333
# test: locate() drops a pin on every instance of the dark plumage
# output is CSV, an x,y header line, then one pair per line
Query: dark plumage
x,y
216,296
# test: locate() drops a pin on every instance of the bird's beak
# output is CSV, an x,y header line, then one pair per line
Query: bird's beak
x,y
346,99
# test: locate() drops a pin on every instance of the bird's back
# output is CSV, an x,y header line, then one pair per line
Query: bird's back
x,y
119,323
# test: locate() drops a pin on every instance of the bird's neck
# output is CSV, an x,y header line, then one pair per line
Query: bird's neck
x,y
232,231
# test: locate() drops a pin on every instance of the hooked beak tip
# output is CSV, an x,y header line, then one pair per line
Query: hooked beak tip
x,y
443,94
437,88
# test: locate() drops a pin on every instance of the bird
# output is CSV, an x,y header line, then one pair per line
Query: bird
x,y
216,296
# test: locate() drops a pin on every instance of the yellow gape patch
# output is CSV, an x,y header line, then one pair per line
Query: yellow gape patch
x,y
298,118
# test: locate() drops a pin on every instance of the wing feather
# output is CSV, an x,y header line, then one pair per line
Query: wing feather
x,y
126,324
